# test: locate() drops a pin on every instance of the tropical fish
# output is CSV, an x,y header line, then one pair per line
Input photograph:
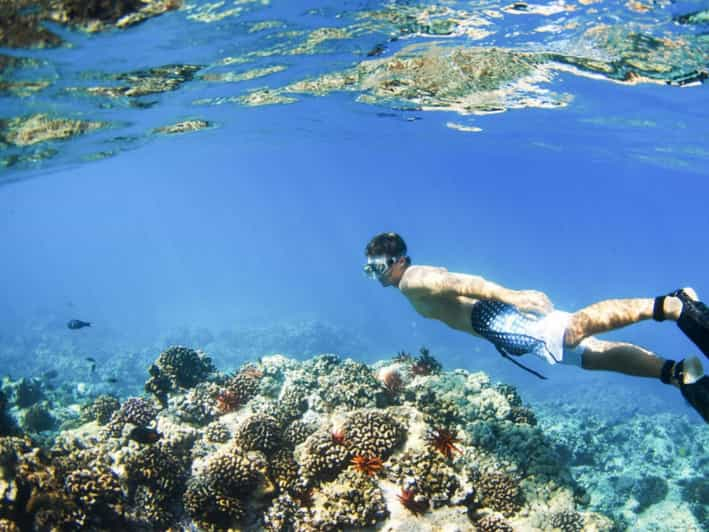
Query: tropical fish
x,y
144,435
78,324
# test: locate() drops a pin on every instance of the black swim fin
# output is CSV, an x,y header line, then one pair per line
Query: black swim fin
x,y
694,321
697,395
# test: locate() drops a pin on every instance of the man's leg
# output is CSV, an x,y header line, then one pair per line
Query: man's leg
x,y
616,313
687,375
621,358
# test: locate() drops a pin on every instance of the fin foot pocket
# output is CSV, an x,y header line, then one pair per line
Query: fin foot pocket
x,y
697,395
694,321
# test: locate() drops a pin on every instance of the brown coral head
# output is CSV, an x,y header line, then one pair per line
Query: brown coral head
x,y
444,442
369,465
228,401
416,504
305,498
338,436
252,372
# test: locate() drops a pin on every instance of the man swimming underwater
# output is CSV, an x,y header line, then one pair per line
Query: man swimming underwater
x,y
523,321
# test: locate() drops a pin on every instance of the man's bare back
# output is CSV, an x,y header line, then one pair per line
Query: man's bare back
x,y
441,295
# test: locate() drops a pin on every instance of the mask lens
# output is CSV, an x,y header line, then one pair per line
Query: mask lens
x,y
376,267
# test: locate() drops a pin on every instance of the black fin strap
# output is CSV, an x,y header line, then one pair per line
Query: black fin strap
x,y
658,314
678,373
666,373
525,368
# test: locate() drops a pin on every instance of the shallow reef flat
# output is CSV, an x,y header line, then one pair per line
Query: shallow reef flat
x,y
321,444
646,472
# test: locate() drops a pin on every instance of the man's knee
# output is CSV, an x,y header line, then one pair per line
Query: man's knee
x,y
575,331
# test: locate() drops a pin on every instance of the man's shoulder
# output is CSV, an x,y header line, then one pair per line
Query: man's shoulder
x,y
416,276
420,269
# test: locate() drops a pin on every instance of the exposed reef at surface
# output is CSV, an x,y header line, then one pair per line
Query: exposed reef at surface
x,y
320,444
22,22
457,57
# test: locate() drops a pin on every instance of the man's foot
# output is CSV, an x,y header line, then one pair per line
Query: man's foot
x,y
691,315
688,376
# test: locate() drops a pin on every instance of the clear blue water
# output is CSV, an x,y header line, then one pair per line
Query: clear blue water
x,y
262,219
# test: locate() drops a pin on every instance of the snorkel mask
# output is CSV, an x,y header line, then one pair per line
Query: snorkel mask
x,y
377,266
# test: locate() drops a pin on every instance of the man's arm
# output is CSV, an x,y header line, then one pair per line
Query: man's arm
x,y
444,283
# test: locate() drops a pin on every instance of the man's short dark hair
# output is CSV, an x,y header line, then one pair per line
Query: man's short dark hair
x,y
389,244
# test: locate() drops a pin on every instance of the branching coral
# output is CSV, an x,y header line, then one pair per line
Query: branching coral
x,y
499,491
297,432
373,433
216,497
237,390
354,501
134,410
208,507
351,384
493,523
217,432
567,521
259,433
100,409
427,474
178,367
522,415
323,458
161,467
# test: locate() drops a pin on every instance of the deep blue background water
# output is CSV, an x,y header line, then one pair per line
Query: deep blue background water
x,y
264,219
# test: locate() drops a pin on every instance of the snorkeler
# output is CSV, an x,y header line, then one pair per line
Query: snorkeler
x,y
518,322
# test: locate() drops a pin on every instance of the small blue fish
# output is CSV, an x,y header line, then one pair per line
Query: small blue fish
x,y
78,324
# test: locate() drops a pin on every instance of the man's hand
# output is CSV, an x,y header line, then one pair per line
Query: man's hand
x,y
533,301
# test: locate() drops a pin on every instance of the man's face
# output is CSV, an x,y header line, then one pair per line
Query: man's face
x,y
379,268
383,269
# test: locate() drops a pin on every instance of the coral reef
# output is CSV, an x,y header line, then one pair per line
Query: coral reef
x,y
38,418
27,392
498,491
567,521
372,433
269,452
351,385
100,409
637,469
7,423
353,501
217,432
175,368
259,433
